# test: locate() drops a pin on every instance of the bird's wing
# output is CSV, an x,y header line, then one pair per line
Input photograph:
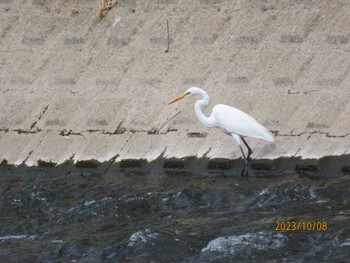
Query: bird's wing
x,y
233,121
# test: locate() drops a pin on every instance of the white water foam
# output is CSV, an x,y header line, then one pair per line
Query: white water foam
x,y
142,236
17,237
230,245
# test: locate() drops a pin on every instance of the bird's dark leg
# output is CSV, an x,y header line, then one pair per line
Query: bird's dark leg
x,y
247,162
244,172
249,149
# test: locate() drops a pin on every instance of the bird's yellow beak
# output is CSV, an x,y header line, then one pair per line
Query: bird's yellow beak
x,y
180,97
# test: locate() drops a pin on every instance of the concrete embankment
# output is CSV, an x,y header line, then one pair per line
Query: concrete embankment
x,y
74,88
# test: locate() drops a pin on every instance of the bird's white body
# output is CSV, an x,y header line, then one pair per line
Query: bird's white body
x,y
231,121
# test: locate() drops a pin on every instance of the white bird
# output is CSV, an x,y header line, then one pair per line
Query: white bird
x,y
231,121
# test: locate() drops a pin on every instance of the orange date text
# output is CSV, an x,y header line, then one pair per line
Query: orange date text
x,y
301,226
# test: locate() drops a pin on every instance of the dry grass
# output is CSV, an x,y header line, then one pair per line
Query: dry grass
x,y
56,9
75,11
59,5
105,6
53,9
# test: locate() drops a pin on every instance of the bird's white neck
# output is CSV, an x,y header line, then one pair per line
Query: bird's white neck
x,y
198,110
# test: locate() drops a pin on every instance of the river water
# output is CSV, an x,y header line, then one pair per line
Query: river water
x,y
84,216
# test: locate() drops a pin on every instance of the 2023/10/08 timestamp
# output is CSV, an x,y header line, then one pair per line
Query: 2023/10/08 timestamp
x,y
301,226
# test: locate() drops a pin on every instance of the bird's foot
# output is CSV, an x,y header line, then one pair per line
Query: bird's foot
x,y
245,172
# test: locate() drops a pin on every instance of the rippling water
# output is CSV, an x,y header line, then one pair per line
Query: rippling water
x,y
135,217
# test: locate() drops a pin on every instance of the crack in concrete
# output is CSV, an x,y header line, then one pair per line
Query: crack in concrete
x,y
297,152
24,161
206,153
31,152
172,117
276,133
20,131
71,159
290,92
5,91
111,160
126,141
39,118
153,131
5,130
337,136
162,154
70,132
120,129
327,134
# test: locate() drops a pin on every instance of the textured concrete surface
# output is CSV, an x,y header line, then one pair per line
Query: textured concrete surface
x,y
76,88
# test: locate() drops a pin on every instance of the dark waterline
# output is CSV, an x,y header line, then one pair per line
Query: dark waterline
x,y
85,216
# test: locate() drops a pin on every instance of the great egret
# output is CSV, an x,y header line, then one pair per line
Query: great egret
x,y
231,121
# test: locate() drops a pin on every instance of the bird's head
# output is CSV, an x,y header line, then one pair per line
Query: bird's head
x,y
190,92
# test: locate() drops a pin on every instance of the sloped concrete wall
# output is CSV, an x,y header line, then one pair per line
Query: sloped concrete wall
x,y
77,88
